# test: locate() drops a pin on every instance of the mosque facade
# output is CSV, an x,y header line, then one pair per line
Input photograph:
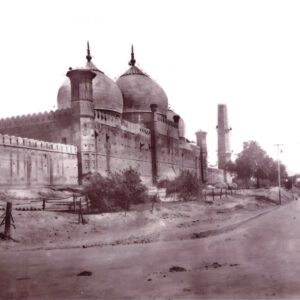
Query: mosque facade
x,y
102,126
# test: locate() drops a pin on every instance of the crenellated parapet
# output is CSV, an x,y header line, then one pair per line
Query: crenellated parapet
x,y
19,142
36,118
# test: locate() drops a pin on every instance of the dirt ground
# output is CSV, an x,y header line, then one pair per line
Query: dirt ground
x,y
167,221
49,240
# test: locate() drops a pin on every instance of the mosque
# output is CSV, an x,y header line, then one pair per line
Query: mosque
x,y
102,126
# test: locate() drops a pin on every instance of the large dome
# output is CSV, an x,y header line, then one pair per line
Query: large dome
x,y
140,91
64,95
106,93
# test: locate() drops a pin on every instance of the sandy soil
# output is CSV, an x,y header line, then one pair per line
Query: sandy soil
x,y
139,255
168,221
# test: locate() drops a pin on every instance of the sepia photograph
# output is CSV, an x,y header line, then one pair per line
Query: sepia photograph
x,y
148,150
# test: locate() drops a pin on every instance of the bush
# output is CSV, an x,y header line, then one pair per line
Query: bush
x,y
186,185
116,190
163,183
245,183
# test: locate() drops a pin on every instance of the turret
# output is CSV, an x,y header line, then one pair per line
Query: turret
x,y
82,118
81,92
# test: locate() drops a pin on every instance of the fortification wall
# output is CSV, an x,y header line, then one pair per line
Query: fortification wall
x,y
29,162
108,144
120,144
53,126
123,146
175,156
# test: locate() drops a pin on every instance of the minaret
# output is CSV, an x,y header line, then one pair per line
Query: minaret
x,y
224,153
82,117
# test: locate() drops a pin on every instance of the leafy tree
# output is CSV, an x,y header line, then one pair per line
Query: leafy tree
x,y
128,188
253,162
230,166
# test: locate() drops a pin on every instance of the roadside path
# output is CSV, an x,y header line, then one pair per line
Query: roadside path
x,y
258,260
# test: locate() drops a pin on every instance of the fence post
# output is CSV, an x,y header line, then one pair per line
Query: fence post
x,y
87,203
153,199
44,203
79,212
74,203
221,193
8,219
213,194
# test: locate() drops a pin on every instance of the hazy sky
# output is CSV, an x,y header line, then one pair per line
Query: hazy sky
x,y
242,53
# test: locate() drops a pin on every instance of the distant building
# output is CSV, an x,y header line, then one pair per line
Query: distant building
x,y
100,126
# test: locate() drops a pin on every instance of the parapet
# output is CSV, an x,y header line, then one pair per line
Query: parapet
x,y
35,118
167,122
19,142
125,125
189,146
134,128
107,119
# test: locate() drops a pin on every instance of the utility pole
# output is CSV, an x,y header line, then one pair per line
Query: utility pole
x,y
278,164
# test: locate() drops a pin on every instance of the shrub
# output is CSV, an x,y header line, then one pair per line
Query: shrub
x,y
163,183
117,190
128,188
186,185
97,188
5,195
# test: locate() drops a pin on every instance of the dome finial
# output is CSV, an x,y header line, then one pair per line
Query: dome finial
x,y
132,61
88,57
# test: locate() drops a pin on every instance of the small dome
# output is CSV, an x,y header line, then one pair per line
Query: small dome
x,y
64,95
106,93
181,124
140,91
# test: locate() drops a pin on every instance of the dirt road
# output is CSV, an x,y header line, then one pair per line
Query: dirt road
x,y
259,260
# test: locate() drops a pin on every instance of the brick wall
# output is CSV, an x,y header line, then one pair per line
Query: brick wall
x,y
54,126
120,144
29,162
108,144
